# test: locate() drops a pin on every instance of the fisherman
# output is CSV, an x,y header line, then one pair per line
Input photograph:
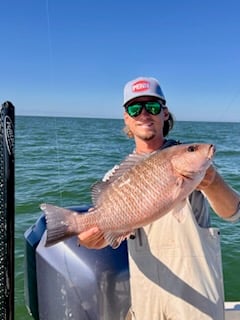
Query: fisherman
x,y
175,263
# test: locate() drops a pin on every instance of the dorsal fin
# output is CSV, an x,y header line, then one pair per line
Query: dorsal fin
x,y
130,161
97,189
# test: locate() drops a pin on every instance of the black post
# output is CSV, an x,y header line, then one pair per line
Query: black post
x,y
7,207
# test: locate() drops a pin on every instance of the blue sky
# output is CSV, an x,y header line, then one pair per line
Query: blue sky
x,y
73,57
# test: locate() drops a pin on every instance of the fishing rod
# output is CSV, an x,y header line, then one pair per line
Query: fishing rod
x,y
7,206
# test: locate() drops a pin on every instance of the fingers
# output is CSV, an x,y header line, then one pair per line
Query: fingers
x,y
92,239
89,233
208,178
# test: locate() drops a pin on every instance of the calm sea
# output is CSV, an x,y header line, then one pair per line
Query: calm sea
x,y
58,159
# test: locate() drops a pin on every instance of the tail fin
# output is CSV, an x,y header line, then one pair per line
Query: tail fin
x,y
58,227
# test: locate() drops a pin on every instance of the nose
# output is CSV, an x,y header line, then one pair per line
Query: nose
x,y
144,112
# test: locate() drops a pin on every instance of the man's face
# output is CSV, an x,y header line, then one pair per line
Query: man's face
x,y
146,126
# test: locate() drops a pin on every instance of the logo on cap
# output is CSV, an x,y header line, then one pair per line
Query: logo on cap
x,y
141,85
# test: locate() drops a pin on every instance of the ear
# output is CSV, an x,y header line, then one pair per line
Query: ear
x,y
126,117
165,113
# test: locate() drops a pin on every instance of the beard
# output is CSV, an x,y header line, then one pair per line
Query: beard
x,y
146,136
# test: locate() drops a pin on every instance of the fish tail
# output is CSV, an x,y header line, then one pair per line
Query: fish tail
x,y
58,223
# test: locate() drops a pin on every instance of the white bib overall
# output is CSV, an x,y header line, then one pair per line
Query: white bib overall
x,y
176,270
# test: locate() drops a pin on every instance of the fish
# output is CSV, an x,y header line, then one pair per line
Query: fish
x,y
141,190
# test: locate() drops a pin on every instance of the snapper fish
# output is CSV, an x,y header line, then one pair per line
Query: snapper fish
x,y
141,190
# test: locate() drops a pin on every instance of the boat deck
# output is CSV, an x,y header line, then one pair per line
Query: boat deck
x,y
232,310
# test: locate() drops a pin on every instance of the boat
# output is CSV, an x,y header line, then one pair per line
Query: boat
x,y
66,281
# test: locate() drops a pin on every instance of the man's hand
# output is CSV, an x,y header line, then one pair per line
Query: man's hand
x,y
92,239
208,178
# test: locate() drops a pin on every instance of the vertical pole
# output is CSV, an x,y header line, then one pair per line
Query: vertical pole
x,y
7,207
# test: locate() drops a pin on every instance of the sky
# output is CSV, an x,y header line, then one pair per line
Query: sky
x,y
73,57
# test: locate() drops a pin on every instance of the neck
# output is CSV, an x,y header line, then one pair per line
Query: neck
x,y
143,146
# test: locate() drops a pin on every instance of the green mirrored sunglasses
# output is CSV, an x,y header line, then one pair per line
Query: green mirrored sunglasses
x,y
152,107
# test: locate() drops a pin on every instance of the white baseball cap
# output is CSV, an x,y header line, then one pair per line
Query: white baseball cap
x,y
142,86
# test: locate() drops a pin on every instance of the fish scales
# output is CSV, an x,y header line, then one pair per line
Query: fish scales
x,y
152,175
149,190
137,196
128,191
155,189
146,192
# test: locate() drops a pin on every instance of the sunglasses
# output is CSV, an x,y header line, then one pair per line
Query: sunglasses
x,y
152,107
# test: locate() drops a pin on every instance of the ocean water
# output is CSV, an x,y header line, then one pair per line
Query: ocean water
x,y
58,159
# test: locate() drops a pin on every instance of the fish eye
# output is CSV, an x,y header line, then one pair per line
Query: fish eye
x,y
192,148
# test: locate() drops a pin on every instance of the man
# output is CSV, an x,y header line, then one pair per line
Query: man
x,y
175,262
